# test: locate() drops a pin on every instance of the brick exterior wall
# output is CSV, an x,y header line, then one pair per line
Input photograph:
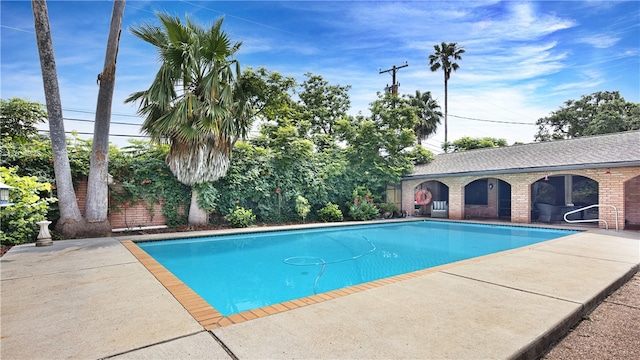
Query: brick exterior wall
x,y
620,188
127,217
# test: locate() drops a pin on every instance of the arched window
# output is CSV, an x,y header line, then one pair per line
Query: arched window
x,y
476,193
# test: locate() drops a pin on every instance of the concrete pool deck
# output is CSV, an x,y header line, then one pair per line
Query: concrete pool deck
x,y
92,298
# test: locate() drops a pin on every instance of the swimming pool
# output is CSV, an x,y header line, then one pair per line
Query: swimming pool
x,y
235,273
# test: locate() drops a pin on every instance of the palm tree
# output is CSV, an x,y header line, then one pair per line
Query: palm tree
x,y
96,204
195,102
428,114
445,57
71,222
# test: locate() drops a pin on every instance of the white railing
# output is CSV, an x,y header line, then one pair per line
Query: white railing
x,y
606,225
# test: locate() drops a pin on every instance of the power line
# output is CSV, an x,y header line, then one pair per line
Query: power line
x,y
93,112
492,121
92,121
90,133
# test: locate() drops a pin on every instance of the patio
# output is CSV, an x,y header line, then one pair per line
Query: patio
x,y
91,298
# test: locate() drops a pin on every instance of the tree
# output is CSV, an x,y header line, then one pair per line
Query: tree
x,y
71,222
19,118
598,113
469,143
267,92
428,114
376,146
324,105
195,102
97,201
445,57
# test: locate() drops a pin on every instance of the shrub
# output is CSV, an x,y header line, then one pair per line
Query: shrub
x,y
18,225
363,207
302,207
241,217
330,213
364,211
386,207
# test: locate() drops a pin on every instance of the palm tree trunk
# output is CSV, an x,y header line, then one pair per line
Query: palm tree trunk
x,y
446,113
71,222
96,206
197,216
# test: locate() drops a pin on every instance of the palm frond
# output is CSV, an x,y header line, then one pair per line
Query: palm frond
x,y
195,101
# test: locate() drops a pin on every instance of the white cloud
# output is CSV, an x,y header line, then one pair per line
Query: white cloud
x,y
600,41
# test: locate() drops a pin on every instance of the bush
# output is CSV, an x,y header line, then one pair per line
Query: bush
x,y
241,217
302,207
364,211
18,221
363,207
330,213
386,207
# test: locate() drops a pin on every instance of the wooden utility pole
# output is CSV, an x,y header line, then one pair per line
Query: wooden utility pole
x,y
394,86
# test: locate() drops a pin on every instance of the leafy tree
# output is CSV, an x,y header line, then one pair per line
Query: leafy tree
x,y
469,143
376,146
598,113
420,155
428,114
19,118
71,223
268,92
444,58
97,200
324,105
196,102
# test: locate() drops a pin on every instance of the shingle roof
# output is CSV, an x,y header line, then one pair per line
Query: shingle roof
x,y
609,150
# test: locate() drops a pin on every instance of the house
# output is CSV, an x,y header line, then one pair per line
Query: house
x,y
518,183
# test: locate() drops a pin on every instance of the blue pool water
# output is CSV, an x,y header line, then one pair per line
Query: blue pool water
x,y
235,273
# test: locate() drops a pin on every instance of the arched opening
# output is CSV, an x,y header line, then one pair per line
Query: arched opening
x,y
632,204
426,193
487,198
504,200
553,196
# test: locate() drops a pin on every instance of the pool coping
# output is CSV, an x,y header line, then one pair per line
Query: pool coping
x,y
210,318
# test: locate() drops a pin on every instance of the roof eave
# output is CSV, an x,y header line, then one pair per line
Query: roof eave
x,y
526,170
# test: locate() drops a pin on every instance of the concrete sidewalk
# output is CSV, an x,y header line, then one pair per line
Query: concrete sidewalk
x,y
92,299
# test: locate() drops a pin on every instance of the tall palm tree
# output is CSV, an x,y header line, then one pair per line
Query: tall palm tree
x,y
428,114
195,102
445,57
71,222
96,204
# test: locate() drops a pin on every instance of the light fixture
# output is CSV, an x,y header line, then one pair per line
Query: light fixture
x,y
546,177
4,194
608,172
490,186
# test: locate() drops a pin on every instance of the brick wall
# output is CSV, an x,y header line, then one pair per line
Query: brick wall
x,y
617,186
136,216
128,216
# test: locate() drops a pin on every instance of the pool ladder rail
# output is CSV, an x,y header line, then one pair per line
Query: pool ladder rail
x,y
615,210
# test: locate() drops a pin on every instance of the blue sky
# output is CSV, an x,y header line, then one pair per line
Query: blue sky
x,y
523,60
